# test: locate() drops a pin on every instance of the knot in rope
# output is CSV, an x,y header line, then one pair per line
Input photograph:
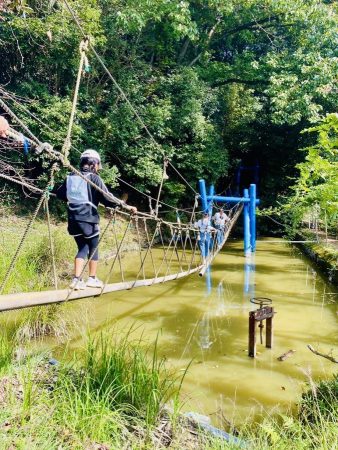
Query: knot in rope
x,y
83,47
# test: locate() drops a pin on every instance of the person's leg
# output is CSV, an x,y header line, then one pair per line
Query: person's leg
x,y
219,235
77,282
93,268
202,244
82,254
93,281
78,267
93,244
208,244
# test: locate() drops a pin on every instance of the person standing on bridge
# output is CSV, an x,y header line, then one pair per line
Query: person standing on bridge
x,y
205,240
220,220
83,217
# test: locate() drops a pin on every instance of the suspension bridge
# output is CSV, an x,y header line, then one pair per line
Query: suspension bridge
x,y
166,250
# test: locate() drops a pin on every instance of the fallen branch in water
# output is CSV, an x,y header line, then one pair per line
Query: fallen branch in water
x,y
286,355
331,358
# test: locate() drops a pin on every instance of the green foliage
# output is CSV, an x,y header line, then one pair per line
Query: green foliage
x,y
215,82
317,186
321,402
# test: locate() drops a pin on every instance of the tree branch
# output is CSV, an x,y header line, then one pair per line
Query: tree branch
x,y
183,50
248,25
210,34
316,352
239,81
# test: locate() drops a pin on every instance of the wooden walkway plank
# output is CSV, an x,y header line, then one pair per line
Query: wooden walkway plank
x,y
27,299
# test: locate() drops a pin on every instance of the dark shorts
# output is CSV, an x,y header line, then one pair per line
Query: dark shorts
x,y
85,229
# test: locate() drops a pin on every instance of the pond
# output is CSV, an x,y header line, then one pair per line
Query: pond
x,y
203,323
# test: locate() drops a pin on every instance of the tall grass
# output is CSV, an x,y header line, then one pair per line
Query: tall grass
x,y
111,395
128,376
41,321
313,426
6,351
33,268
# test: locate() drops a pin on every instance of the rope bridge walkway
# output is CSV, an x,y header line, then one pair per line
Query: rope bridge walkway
x,y
166,250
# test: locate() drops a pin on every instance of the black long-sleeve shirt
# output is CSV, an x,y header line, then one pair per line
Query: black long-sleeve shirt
x,y
86,212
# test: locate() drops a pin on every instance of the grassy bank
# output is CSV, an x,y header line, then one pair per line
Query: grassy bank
x,y
324,254
114,395
33,269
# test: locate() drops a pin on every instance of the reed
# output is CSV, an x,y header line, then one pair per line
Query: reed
x,y
6,351
129,375
49,320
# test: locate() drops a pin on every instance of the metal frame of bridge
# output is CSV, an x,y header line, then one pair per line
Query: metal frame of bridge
x,y
249,202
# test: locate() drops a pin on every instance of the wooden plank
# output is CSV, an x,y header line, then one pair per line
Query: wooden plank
x,y
27,299
286,355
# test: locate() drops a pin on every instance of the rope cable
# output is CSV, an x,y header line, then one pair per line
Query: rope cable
x,y
51,243
27,229
67,143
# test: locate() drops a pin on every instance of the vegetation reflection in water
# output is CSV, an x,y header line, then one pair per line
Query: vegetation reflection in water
x,y
204,321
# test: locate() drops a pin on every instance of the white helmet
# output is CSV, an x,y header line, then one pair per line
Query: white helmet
x,y
89,153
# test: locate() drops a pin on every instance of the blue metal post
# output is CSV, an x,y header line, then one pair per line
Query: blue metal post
x,y
203,193
252,210
211,195
247,246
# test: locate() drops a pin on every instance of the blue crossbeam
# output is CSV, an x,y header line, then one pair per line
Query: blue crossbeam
x,y
219,198
249,202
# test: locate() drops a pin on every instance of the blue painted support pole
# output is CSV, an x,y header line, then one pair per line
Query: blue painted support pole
x,y
203,194
211,195
252,211
247,246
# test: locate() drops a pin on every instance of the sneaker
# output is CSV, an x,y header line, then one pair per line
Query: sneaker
x,y
94,283
77,284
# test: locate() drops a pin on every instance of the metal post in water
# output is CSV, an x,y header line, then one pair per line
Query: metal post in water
x,y
247,246
211,195
203,194
252,212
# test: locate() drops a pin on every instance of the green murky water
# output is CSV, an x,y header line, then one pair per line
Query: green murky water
x,y
204,322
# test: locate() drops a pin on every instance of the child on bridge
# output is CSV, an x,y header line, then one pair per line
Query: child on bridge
x,y
220,221
83,217
205,240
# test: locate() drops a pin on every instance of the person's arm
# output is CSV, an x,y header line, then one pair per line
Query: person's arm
x,y
108,199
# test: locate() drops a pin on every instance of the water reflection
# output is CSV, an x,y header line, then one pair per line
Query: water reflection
x,y
249,277
203,328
